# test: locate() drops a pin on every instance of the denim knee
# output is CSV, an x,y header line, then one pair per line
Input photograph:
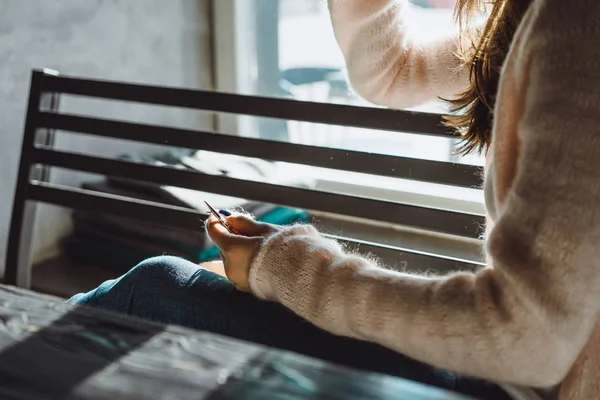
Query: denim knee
x,y
165,270
176,291
160,266
157,274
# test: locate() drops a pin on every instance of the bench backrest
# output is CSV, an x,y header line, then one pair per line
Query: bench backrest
x,y
37,152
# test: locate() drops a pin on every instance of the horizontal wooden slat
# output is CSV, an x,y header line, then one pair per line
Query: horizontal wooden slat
x,y
324,113
346,160
179,217
87,200
409,259
408,215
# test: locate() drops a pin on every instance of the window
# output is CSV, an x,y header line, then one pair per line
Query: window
x,y
286,48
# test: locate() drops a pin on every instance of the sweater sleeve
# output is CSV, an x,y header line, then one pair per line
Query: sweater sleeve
x,y
387,63
525,318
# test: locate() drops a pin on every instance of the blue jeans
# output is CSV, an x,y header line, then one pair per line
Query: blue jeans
x,y
171,290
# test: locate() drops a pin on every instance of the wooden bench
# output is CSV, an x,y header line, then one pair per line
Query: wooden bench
x,y
38,155
53,350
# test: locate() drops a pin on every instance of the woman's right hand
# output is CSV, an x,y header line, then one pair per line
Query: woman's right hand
x,y
239,249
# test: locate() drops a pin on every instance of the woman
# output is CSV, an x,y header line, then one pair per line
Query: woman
x,y
528,320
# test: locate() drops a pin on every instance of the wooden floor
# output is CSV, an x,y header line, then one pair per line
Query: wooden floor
x,y
61,277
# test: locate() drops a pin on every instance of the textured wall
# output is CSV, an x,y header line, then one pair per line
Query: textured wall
x,y
151,41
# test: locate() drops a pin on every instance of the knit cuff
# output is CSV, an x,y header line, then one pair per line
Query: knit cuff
x,y
267,261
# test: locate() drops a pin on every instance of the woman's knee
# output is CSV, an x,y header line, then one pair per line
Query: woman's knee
x,y
178,272
163,271
159,267
156,274
174,291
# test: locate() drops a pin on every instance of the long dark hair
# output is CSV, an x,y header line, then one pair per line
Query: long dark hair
x,y
483,51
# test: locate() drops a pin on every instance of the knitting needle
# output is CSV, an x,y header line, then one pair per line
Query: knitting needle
x,y
220,218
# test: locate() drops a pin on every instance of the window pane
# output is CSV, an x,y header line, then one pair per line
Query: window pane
x,y
298,57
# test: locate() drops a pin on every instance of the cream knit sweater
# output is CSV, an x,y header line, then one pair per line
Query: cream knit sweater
x,y
530,317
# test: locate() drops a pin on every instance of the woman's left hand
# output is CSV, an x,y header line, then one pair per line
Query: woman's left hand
x,y
238,250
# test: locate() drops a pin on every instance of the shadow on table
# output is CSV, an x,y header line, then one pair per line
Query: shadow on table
x,y
50,362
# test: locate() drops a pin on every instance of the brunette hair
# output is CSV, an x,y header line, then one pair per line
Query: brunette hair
x,y
483,51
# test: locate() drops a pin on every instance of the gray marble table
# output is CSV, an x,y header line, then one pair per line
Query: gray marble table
x,y
53,350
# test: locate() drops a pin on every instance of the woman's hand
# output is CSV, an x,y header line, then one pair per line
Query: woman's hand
x,y
238,250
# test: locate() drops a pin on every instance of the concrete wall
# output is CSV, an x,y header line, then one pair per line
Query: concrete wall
x,y
150,41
